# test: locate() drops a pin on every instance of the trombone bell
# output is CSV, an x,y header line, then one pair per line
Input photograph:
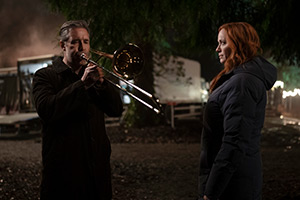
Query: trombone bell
x,y
128,62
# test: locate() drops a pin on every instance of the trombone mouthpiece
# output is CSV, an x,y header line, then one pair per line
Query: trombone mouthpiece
x,y
82,56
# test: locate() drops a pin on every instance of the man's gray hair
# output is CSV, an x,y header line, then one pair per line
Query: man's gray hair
x,y
68,25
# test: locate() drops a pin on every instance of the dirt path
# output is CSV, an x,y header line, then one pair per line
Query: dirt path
x,y
155,171
157,168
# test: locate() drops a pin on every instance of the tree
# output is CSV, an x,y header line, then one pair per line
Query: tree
x,y
115,23
185,28
277,21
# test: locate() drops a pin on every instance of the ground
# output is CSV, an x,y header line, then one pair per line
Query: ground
x,y
158,163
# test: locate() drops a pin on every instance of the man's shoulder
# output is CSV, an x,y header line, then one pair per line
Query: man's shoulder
x,y
57,66
47,69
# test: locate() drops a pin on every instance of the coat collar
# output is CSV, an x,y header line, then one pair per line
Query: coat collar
x,y
59,66
224,78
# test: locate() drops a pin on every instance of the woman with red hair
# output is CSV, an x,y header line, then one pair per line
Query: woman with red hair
x,y
230,159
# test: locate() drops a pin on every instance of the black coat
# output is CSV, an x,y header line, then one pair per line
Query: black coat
x,y
230,159
75,147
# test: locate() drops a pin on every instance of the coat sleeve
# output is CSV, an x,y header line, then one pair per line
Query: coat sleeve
x,y
239,107
55,104
108,99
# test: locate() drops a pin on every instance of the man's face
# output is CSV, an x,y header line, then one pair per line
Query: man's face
x,y
78,43
223,48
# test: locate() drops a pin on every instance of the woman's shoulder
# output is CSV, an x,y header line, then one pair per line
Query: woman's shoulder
x,y
245,85
245,79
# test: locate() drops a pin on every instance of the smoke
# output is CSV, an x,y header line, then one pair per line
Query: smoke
x,y
28,28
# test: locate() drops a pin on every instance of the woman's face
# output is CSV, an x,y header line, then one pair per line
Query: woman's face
x,y
223,48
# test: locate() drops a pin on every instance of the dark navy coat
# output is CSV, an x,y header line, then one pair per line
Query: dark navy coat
x,y
230,160
76,150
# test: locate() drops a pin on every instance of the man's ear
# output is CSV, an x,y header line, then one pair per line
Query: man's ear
x,y
62,45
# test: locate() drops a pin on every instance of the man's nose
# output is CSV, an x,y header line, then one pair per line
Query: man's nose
x,y
80,47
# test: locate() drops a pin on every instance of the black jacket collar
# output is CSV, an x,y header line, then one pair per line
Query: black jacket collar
x,y
59,66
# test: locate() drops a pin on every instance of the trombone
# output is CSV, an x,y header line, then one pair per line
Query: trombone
x,y
128,62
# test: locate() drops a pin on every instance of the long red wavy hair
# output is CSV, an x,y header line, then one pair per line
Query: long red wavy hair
x,y
244,44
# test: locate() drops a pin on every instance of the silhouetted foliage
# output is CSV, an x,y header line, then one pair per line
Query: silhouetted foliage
x,y
184,28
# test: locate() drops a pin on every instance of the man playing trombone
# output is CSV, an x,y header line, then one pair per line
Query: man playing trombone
x,y
71,99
